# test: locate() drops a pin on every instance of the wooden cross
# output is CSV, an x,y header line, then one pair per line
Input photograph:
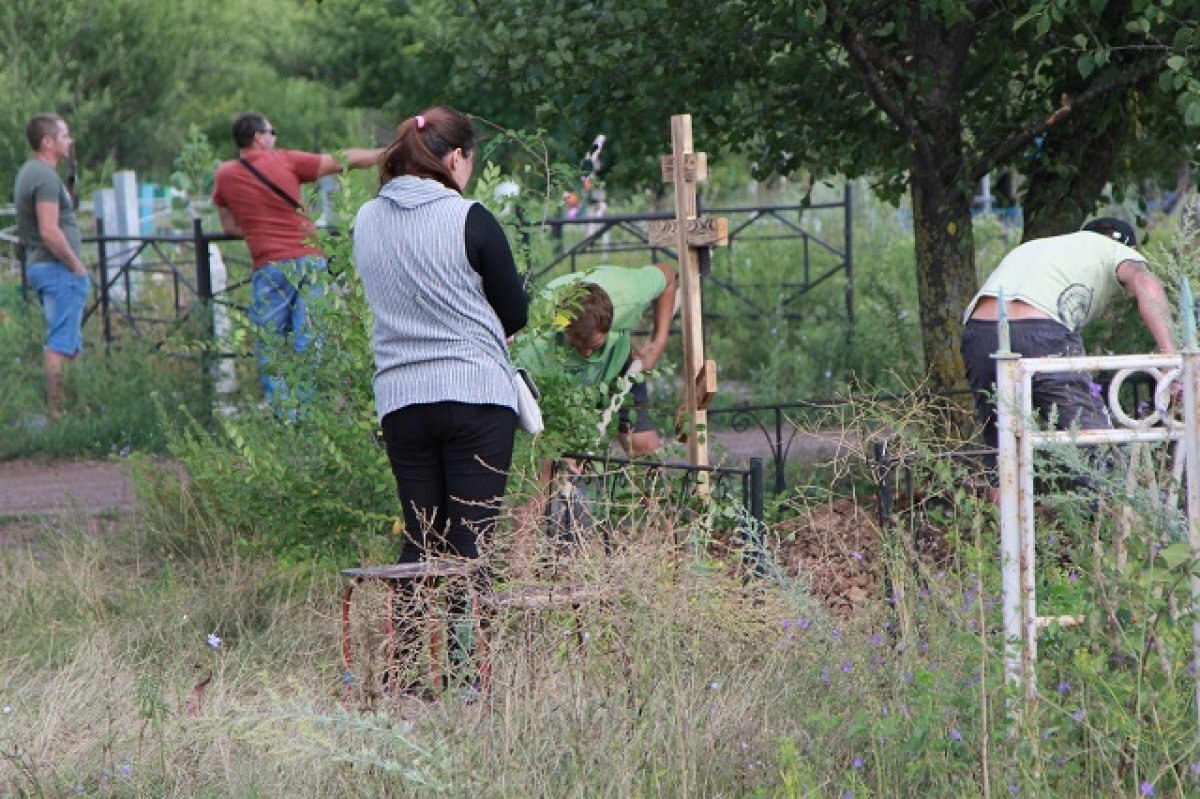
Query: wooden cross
x,y
689,234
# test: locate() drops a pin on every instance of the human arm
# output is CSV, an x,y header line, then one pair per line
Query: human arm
x,y
664,309
355,159
54,238
229,222
490,256
1151,301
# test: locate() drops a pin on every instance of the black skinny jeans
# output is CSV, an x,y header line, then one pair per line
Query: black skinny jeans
x,y
451,462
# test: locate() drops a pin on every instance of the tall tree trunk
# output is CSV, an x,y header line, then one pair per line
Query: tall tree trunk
x,y
941,195
946,280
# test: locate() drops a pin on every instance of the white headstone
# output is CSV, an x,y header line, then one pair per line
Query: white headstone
x,y
128,224
104,207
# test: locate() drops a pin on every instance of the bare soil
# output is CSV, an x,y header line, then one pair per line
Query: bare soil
x,y
835,548
30,487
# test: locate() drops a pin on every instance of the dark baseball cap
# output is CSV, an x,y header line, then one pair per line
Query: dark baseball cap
x,y
1114,228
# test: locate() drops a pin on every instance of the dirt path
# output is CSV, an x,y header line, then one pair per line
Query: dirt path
x,y
38,488
834,547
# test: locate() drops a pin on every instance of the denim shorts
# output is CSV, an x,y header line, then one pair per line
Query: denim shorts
x,y
63,295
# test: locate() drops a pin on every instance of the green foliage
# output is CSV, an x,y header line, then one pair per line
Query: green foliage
x,y
195,165
978,93
111,393
315,453
132,76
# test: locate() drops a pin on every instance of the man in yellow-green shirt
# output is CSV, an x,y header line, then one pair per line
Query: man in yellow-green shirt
x,y
1052,287
597,346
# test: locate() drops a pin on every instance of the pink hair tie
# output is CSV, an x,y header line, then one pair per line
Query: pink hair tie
x,y
420,121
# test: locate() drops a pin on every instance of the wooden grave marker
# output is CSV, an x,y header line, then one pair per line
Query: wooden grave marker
x,y
689,235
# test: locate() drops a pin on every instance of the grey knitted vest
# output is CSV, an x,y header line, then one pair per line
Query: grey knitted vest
x,y
446,345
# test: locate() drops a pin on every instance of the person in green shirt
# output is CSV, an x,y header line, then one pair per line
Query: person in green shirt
x,y
597,345
50,235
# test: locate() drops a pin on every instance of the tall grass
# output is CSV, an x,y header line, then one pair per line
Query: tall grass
x,y
110,405
688,680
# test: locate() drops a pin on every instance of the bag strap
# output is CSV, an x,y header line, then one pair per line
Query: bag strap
x,y
289,199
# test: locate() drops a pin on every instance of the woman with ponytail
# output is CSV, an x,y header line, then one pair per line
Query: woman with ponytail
x,y
441,281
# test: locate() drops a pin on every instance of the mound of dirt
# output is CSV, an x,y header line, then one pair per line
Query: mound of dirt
x,y
835,548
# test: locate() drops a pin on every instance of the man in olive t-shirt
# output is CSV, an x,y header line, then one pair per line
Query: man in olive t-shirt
x,y
1052,287
48,230
597,345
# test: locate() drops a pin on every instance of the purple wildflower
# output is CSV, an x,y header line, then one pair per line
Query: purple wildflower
x,y
802,623
1196,769
856,555
1147,789
825,676
1064,687
1095,389
1013,788
955,734
786,624
1078,715
858,763
847,667
875,639
1073,576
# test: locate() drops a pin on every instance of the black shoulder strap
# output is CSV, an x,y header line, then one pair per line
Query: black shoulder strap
x,y
267,182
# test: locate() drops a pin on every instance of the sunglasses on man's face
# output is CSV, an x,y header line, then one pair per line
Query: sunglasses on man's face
x,y
268,131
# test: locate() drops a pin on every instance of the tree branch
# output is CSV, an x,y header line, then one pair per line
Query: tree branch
x,y
1070,105
860,53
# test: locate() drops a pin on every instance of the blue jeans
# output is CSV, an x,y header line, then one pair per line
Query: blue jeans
x,y
281,290
63,295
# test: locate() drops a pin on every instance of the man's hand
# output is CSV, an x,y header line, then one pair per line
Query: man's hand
x,y
650,352
54,238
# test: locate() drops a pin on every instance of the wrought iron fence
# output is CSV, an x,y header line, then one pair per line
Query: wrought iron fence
x,y
819,260
623,487
151,286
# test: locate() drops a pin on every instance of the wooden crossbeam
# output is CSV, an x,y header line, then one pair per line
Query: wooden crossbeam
x,y
695,167
705,231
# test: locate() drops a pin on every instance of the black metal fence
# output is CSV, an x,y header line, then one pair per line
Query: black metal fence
x,y
819,258
179,269
151,286
623,487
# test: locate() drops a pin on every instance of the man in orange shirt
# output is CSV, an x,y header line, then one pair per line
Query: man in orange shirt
x,y
258,198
